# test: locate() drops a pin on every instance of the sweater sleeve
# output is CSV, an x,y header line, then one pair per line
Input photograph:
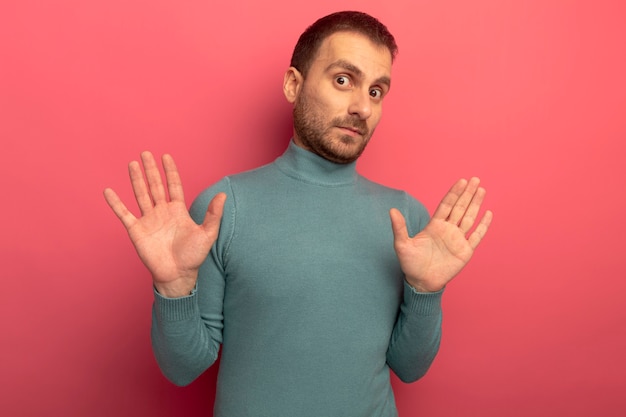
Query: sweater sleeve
x,y
187,332
415,339
416,335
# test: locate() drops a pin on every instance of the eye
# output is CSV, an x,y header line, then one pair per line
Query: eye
x,y
376,93
342,80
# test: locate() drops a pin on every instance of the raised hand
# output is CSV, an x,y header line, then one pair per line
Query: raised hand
x,y
168,241
437,254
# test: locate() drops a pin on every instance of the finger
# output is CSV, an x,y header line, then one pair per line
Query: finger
x,y
127,218
214,213
481,230
449,200
467,222
463,202
174,184
140,189
154,177
398,225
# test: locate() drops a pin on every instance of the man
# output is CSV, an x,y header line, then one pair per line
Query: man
x,y
293,268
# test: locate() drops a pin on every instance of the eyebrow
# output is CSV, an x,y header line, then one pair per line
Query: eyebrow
x,y
348,66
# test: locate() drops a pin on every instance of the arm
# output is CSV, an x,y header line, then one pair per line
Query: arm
x,y
430,260
173,247
416,335
187,332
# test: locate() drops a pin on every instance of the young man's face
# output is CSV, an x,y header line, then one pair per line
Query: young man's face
x,y
339,104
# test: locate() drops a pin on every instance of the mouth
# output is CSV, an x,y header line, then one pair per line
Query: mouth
x,y
352,131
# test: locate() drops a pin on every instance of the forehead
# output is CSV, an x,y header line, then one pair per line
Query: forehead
x,y
371,58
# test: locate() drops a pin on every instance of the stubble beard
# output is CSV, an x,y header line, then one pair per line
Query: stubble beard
x,y
310,128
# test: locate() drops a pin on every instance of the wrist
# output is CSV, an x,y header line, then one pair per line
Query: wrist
x,y
423,287
174,290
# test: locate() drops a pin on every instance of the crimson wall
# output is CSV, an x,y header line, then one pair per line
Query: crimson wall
x,y
528,95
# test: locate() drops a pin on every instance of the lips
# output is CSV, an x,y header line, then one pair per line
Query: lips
x,y
353,124
353,129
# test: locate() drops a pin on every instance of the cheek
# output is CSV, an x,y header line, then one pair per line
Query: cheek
x,y
374,119
329,101
333,106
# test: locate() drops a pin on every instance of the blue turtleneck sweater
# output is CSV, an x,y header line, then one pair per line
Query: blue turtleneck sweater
x,y
304,292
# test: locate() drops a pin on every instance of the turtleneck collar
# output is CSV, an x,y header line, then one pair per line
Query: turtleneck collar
x,y
306,166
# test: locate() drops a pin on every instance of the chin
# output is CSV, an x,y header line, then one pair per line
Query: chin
x,y
344,156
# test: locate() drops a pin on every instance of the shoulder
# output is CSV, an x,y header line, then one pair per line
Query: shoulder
x,y
231,185
402,197
415,212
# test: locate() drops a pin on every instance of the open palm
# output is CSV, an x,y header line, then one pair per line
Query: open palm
x,y
439,252
167,240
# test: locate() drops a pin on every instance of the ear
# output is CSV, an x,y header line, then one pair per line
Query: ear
x,y
292,84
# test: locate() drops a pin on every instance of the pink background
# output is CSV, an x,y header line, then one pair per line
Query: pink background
x,y
529,95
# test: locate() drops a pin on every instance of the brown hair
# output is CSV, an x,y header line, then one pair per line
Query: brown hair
x,y
348,21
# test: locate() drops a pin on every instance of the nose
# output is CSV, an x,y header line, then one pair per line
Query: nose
x,y
361,104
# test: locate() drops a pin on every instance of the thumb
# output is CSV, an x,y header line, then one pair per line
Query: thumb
x,y
398,225
214,213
